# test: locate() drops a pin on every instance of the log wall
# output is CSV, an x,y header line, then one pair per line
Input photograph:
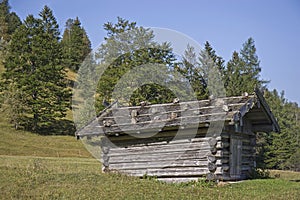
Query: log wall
x,y
179,160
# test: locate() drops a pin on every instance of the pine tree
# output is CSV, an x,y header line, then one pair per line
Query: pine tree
x,y
218,60
252,69
76,44
243,71
234,82
9,21
281,147
4,13
190,69
33,69
212,71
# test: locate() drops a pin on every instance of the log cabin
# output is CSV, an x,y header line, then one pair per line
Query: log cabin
x,y
213,139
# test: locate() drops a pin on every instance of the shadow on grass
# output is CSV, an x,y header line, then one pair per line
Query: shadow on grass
x,y
295,180
58,127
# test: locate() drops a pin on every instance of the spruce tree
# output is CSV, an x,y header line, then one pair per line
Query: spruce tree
x,y
76,44
234,82
190,69
282,147
9,21
251,69
33,69
243,71
212,71
4,13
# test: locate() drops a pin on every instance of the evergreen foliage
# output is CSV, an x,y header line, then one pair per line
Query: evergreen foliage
x,y
9,21
190,69
282,149
4,13
75,43
212,70
34,75
243,71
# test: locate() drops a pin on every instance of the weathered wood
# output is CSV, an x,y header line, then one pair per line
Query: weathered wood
x,y
211,176
148,143
179,179
159,164
212,142
225,167
235,155
211,158
176,134
212,167
213,150
159,156
171,172
221,145
180,121
160,149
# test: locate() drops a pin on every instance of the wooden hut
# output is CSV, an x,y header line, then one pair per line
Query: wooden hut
x,y
183,141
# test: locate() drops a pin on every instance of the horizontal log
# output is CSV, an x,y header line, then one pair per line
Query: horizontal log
x,y
222,153
193,148
221,145
171,172
175,133
155,147
158,164
201,142
218,170
221,162
162,156
179,179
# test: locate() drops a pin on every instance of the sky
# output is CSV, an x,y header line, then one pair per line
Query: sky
x,y
273,24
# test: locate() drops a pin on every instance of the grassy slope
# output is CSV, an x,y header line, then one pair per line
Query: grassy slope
x,y
23,143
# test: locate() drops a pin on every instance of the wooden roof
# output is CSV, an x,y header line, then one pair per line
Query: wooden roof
x,y
114,120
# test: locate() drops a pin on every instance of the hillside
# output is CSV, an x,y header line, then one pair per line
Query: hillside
x,y
22,143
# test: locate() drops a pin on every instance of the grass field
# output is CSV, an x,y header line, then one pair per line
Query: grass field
x,y
59,167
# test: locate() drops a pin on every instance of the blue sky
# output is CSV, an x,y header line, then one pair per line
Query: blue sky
x,y
274,25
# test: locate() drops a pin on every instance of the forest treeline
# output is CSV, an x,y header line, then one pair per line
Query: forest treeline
x,y
36,93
